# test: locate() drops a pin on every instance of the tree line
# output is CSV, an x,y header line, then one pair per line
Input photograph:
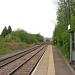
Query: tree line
x,y
61,32
6,31
20,36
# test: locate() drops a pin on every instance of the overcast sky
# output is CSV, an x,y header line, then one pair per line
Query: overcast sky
x,y
34,16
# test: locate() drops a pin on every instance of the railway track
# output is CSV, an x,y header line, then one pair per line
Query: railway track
x,y
18,64
15,56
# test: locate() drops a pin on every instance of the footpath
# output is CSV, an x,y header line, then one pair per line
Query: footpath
x,y
61,66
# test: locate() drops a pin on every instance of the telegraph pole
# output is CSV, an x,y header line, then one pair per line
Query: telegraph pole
x,y
69,11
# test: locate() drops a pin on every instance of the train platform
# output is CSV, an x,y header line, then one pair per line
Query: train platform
x,y
52,63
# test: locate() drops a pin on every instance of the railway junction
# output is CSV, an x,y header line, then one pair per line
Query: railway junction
x,y
40,59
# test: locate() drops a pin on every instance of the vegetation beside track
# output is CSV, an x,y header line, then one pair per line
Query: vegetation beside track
x,y
11,41
61,33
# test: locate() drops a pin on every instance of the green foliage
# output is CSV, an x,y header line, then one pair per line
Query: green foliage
x,y
23,36
39,37
61,33
20,36
4,32
17,40
8,47
9,29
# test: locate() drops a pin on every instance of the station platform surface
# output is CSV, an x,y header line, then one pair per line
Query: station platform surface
x,y
52,63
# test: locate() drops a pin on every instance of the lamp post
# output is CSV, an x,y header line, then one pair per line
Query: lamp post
x,y
72,33
69,27
68,6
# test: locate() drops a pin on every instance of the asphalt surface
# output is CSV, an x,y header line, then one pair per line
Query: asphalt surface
x,y
61,67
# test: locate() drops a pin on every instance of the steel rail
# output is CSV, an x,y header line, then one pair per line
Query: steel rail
x,y
12,72
12,58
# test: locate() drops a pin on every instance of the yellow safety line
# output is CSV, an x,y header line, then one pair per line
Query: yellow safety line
x,y
51,68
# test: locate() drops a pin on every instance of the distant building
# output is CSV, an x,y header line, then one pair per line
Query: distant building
x,y
49,40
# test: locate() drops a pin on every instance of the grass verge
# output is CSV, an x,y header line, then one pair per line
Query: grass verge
x,y
6,48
